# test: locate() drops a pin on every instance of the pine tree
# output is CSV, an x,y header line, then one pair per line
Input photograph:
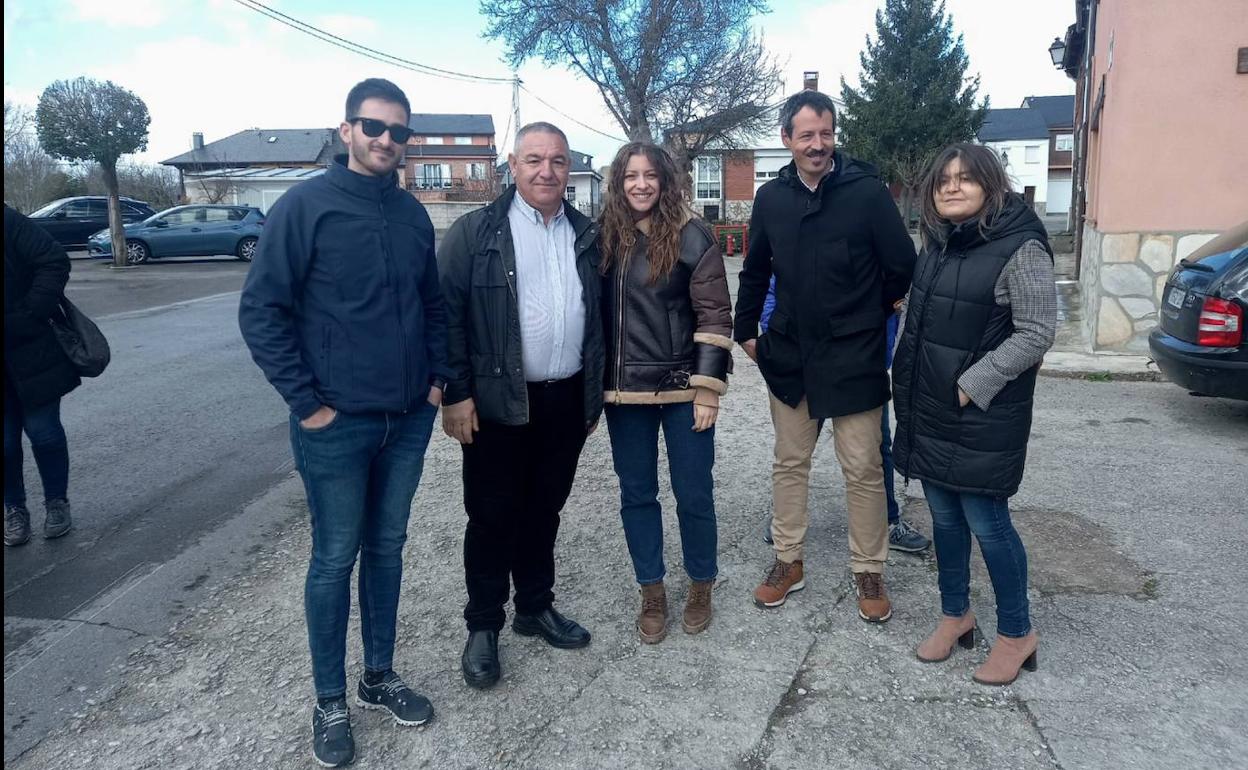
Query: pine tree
x,y
914,96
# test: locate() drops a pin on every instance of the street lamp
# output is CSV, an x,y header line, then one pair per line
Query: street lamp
x,y
1058,51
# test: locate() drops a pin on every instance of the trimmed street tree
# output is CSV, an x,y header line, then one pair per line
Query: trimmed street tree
x,y
914,96
86,120
656,64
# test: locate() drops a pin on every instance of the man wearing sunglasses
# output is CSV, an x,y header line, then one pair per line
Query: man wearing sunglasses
x,y
342,311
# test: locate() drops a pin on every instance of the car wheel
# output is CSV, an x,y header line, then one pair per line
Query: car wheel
x,y
136,252
247,248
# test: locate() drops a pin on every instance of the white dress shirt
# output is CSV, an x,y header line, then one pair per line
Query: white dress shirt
x,y
549,293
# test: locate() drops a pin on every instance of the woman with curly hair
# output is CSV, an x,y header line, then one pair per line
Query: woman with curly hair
x,y
667,319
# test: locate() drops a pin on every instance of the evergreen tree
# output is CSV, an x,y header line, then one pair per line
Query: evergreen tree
x,y
914,95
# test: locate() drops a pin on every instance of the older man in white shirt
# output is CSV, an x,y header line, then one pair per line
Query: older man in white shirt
x,y
521,283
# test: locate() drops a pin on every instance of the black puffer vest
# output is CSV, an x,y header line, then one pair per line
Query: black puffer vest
x,y
952,321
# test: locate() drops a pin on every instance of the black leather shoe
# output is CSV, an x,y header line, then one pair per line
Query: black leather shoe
x,y
557,630
480,660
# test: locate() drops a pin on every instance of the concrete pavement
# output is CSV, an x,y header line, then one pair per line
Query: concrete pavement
x,y
1132,509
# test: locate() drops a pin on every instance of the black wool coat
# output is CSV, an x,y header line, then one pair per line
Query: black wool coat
x,y
841,257
36,270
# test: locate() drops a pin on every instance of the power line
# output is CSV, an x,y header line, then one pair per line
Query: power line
x,y
569,117
363,50
397,61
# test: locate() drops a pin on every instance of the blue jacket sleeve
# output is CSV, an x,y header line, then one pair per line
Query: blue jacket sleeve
x,y
266,310
769,304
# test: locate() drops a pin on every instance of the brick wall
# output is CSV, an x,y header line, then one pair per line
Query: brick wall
x,y
739,176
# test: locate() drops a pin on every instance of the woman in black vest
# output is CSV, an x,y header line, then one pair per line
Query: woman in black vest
x,y
37,373
979,317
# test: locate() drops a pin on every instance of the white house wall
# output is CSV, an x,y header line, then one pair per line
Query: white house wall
x,y
1023,174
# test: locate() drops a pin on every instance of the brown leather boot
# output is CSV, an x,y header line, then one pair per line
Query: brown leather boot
x,y
652,620
1008,655
950,631
782,579
873,603
698,607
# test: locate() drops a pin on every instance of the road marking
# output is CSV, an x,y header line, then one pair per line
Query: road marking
x,y
128,314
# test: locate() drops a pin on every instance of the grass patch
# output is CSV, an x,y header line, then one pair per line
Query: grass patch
x,y
1100,377
1149,589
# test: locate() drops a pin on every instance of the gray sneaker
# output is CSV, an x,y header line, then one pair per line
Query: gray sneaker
x,y
16,525
58,520
903,537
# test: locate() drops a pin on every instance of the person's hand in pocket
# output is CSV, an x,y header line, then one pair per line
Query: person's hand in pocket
x,y
320,418
963,398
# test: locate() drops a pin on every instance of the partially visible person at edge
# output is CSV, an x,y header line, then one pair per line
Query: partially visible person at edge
x,y
978,320
829,232
343,312
37,375
667,317
901,536
526,351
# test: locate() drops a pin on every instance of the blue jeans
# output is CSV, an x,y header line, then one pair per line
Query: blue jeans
x,y
634,432
955,515
886,452
42,426
361,473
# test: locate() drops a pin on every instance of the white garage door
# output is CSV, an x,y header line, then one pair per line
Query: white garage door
x,y
1059,195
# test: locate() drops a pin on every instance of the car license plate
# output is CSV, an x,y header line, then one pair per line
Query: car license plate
x,y
1176,298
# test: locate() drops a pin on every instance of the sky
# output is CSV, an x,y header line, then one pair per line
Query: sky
x,y
218,67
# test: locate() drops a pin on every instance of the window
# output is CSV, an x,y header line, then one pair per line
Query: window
x,y
219,215
706,178
237,215
434,176
570,194
77,209
476,171
184,216
1064,143
433,140
463,140
1032,153
763,176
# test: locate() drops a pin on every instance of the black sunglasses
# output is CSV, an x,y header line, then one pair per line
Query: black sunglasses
x,y
374,128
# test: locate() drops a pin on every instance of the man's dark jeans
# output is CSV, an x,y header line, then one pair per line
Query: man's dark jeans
x,y
955,515
42,426
690,456
886,452
516,481
360,472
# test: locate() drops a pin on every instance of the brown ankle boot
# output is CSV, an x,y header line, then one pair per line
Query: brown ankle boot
x,y
950,631
1008,655
652,620
698,606
873,603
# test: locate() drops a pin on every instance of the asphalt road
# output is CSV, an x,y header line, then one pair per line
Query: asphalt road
x,y
168,445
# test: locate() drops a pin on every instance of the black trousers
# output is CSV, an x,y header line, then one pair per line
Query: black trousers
x,y
516,480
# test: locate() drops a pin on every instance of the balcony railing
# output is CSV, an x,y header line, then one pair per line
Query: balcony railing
x,y
453,188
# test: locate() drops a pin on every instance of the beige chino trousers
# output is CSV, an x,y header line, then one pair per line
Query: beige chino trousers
x,y
857,441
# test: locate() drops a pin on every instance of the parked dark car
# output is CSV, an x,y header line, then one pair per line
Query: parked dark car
x,y
187,231
71,221
1200,342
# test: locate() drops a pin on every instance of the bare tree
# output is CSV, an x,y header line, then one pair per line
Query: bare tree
x,y
31,176
85,119
694,69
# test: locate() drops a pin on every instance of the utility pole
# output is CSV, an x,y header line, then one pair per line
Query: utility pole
x,y
515,103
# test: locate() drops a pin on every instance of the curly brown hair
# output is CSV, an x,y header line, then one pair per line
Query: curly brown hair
x,y
619,229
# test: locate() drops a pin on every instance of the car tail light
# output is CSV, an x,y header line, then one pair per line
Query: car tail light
x,y
1221,324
